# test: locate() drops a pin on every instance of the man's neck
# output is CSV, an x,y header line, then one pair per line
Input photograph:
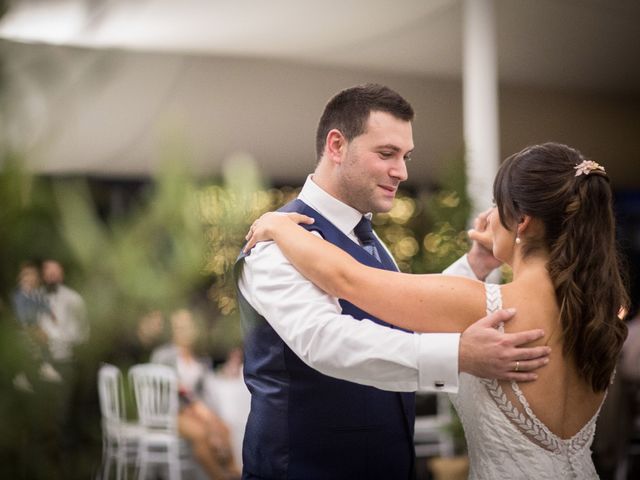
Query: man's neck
x,y
322,178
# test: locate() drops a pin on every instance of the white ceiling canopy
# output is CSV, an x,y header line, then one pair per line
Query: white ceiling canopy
x,y
588,44
92,86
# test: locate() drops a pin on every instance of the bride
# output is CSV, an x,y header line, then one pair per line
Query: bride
x,y
553,224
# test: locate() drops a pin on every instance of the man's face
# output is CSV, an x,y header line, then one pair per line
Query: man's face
x,y
52,273
374,163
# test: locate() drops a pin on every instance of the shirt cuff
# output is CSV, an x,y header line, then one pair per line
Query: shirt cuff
x,y
438,362
460,268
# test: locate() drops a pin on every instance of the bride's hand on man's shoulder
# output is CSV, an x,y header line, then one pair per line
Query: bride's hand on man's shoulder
x,y
265,227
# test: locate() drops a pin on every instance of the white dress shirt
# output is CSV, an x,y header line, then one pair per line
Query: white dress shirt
x,y
68,326
311,322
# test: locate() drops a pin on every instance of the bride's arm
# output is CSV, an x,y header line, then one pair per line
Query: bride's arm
x,y
422,303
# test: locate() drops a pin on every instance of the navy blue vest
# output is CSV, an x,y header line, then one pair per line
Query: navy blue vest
x,y
305,425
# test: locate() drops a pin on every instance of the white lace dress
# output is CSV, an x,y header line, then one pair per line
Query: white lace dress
x,y
506,442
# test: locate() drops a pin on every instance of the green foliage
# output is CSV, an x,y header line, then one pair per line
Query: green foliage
x,y
181,239
29,219
227,211
426,233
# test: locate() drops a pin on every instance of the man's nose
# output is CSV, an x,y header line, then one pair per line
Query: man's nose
x,y
399,170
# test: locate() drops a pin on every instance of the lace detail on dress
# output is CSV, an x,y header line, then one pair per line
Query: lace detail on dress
x,y
505,442
527,421
526,425
494,300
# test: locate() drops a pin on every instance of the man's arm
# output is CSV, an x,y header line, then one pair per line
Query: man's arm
x,y
310,322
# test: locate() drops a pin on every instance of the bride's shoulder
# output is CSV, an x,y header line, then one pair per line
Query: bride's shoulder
x,y
536,305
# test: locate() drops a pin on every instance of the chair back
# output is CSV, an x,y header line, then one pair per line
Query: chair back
x,y
110,391
156,391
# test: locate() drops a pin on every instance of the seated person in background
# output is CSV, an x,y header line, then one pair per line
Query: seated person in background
x,y
207,434
232,367
135,343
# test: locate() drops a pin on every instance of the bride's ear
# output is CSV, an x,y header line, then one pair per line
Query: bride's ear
x,y
524,225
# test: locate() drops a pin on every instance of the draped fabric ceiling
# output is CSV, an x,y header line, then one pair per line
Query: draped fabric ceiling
x,y
103,86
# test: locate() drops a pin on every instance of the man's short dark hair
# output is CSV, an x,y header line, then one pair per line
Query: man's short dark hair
x,y
348,111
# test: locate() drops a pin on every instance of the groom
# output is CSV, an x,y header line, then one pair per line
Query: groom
x,y
326,377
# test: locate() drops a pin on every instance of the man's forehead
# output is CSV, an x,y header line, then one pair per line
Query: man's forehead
x,y
378,120
395,132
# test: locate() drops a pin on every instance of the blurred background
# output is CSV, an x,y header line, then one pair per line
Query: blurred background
x,y
139,139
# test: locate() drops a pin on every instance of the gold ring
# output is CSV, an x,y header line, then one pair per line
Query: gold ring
x,y
517,366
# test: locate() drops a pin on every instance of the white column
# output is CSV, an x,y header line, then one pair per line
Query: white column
x,y
480,101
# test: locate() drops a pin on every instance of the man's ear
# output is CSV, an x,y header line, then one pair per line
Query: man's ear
x,y
335,146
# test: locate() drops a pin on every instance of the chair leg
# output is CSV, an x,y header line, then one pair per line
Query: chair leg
x,y
106,470
106,459
121,466
174,461
142,461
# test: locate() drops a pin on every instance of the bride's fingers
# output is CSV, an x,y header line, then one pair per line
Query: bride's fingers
x,y
258,228
300,218
252,238
251,229
251,242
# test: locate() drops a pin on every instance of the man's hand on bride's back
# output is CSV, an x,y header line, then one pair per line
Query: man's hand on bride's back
x,y
488,353
269,224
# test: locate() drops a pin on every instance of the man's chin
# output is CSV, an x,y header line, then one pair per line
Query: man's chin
x,y
382,207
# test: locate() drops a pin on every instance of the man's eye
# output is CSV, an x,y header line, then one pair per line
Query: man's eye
x,y
386,154
407,158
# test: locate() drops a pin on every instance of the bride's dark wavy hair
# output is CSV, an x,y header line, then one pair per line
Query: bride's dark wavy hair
x,y
579,238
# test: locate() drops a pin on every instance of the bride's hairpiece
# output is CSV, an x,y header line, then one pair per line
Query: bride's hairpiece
x,y
588,166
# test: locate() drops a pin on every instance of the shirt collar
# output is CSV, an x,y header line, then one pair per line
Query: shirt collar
x,y
344,217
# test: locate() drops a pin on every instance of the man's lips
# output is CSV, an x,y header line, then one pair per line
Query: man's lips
x,y
389,189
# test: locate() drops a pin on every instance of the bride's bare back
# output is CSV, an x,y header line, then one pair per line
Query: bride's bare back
x,y
562,400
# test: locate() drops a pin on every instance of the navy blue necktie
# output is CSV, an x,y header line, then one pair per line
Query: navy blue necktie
x,y
364,232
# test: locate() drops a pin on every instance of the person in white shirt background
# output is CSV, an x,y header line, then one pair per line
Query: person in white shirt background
x,y
363,142
66,322
66,327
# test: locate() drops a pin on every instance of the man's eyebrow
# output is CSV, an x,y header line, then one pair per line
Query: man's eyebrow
x,y
390,146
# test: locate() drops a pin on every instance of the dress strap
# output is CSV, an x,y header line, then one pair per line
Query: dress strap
x,y
494,300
